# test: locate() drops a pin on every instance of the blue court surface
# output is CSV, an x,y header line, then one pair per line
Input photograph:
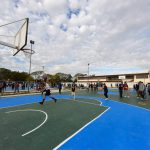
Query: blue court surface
x,y
120,127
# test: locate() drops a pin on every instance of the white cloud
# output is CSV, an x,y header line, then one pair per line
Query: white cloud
x,y
55,8
111,35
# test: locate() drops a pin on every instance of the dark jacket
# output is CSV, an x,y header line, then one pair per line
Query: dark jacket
x,y
105,89
120,87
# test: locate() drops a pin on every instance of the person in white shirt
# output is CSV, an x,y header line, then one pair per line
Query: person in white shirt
x,y
47,92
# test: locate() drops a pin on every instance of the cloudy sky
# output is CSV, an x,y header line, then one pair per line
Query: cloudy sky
x,y
113,36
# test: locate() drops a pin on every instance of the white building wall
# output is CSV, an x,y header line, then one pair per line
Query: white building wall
x,y
130,84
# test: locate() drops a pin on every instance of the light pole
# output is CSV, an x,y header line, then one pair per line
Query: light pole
x,y
43,69
31,42
88,76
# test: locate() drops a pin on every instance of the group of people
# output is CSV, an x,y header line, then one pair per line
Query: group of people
x,y
3,86
14,86
123,89
140,89
47,92
93,87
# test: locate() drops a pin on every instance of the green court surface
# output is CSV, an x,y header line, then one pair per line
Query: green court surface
x,y
50,124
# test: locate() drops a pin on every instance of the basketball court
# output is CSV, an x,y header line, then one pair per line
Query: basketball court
x,y
89,122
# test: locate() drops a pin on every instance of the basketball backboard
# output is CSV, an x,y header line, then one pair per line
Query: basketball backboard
x,y
19,40
21,37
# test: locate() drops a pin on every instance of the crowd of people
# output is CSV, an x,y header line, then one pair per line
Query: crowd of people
x,y
141,89
14,86
93,87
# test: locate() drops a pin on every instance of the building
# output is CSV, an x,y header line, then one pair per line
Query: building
x,y
113,80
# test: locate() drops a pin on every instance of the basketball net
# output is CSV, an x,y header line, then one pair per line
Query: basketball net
x,y
28,53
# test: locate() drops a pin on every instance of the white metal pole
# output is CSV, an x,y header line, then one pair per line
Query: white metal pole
x,y
88,76
31,42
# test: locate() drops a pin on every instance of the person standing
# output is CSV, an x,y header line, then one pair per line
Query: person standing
x,y
16,86
105,91
47,92
148,88
120,87
4,85
126,90
13,86
1,87
142,89
137,89
73,90
60,87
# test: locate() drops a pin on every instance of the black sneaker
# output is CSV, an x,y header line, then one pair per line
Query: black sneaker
x,y
55,100
41,103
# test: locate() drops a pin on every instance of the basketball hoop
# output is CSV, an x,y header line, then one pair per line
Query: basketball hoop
x,y
28,52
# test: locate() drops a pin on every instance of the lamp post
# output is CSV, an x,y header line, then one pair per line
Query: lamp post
x,y
31,42
43,69
88,76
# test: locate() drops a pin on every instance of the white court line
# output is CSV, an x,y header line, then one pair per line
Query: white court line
x,y
29,94
93,98
86,102
80,130
20,95
46,117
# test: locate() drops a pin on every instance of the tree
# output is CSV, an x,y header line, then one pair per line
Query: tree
x,y
64,77
6,74
37,74
54,79
78,75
